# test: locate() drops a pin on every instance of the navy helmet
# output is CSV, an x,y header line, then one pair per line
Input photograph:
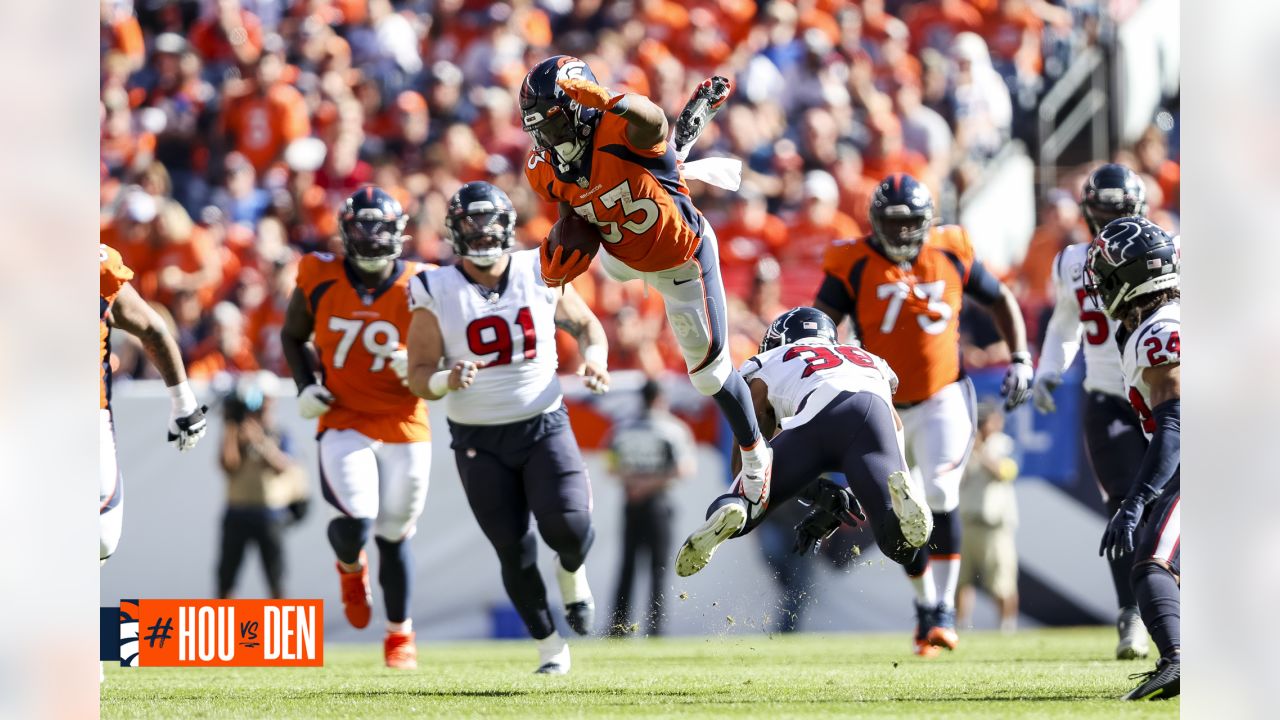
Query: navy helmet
x,y
901,215
372,226
1131,257
556,123
1110,192
481,222
802,323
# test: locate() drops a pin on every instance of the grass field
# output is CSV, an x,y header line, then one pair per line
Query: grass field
x,y
1048,673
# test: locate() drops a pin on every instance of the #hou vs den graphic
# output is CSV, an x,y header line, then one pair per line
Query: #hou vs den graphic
x,y
214,633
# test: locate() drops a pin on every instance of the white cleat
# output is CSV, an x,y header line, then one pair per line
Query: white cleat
x,y
553,655
701,545
1133,635
914,517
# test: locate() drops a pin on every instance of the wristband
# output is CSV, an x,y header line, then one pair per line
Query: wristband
x,y
439,383
184,401
597,355
1022,356
619,105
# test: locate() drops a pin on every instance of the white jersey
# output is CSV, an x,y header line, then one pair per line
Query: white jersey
x,y
1076,317
818,372
1154,343
511,332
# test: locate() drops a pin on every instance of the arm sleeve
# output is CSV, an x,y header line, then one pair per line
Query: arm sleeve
x,y
1062,334
833,293
982,285
420,296
1164,454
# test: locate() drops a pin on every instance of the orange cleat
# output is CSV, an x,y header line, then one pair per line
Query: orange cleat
x,y
400,651
925,650
356,595
943,637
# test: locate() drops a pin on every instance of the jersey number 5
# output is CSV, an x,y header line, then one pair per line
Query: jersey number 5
x,y
822,357
380,339
1098,334
621,193
497,339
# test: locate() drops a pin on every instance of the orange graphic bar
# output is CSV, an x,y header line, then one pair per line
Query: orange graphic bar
x,y
230,633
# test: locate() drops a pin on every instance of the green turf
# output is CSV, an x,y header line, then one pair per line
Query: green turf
x,y
1050,673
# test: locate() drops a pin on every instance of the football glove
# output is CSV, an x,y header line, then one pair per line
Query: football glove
x,y
589,94
399,362
832,507
186,430
1017,381
558,270
314,401
1042,391
1117,541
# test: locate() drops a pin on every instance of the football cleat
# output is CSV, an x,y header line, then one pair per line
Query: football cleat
x,y
925,621
357,597
553,656
943,633
697,550
579,606
1133,635
914,517
399,650
706,101
1160,684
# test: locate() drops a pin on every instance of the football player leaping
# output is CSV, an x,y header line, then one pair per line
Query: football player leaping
x,y
834,406
605,157
902,288
1112,434
1133,274
374,441
491,321
121,307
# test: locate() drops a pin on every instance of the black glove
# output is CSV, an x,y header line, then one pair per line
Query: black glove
x,y
832,507
1118,539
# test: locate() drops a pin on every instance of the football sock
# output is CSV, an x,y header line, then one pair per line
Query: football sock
x,y
1160,602
524,585
944,555
395,563
400,627
734,400
922,582
348,536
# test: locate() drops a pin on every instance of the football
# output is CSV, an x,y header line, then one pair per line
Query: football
x,y
574,233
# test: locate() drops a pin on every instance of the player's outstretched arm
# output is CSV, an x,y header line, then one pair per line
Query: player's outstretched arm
x,y
646,122
1061,343
426,350
574,317
1007,316
133,315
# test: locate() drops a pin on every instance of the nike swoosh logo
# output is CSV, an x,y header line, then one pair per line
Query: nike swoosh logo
x,y
687,280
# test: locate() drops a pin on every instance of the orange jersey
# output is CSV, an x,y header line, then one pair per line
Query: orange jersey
x,y
636,196
909,316
355,330
112,275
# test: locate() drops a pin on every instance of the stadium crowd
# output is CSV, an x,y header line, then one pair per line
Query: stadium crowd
x,y
232,130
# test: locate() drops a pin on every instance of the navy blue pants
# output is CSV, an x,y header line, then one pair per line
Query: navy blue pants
x,y
529,468
1115,443
854,434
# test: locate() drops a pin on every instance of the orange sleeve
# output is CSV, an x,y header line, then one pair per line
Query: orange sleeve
x,y
128,36
112,272
294,122
954,239
309,272
838,260
539,174
619,126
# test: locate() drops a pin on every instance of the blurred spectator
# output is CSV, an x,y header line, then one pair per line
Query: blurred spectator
x,y
263,114
1152,151
1060,226
226,349
648,453
751,231
989,512
750,318
226,35
266,489
817,222
242,201
983,110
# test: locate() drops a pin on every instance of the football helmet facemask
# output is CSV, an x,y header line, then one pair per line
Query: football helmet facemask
x,y
1112,191
901,215
556,123
481,222
1131,257
372,226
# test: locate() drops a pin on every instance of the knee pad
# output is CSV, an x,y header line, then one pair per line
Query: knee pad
x,y
348,536
710,378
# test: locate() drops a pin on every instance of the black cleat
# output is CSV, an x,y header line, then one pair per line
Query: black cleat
x,y
1159,684
581,616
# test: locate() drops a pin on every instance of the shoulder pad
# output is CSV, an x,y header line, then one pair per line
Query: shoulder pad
x,y
840,255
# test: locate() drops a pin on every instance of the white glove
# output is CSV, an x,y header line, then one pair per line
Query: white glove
x,y
186,418
399,360
1042,391
1017,381
314,401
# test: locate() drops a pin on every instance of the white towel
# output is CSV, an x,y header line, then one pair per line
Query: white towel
x,y
722,172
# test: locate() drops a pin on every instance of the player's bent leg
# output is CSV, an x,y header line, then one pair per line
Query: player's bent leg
x,y
403,481
347,537
726,518
349,483
559,494
110,489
